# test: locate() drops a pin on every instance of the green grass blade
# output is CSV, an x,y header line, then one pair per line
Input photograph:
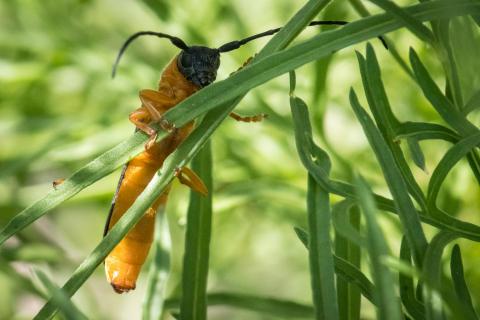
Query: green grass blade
x,y
457,152
417,154
415,26
388,304
341,214
320,253
349,296
67,308
193,304
432,276
318,211
458,279
406,210
385,119
407,288
95,170
345,269
270,306
443,106
426,131
159,269
472,104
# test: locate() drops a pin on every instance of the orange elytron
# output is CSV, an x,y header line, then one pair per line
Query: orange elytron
x,y
194,68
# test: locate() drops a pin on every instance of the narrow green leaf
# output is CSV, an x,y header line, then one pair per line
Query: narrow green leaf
x,y
388,304
271,306
415,26
472,104
407,288
426,131
457,152
385,119
458,279
159,269
406,211
59,298
349,296
348,271
341,214
417,154
193,304
443,106
318,211
320,253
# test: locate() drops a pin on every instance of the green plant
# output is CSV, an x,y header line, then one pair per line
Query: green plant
x,y
338,279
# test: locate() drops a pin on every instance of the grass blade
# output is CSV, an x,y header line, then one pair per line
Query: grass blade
x,y
407,288
318,211
388,304
346,270
67,308
406,211
193,304
472,104
271,306
159,269
349,296
415,26
458,279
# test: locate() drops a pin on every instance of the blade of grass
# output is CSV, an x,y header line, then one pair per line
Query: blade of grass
x,y
415,26
426,131
346,270
407,288
407,213
193,304
348,296
341,215
69,310
227,90
472,104
388,304
458,279
417,154
267,305
319,219
159,269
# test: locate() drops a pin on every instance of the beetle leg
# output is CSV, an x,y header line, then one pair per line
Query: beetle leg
x,y
243,65
189,178
157,104
255,118
140,118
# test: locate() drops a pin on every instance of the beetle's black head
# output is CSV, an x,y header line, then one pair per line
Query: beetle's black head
x,y
199,64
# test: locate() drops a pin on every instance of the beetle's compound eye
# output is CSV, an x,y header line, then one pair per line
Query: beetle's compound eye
x,y
186,60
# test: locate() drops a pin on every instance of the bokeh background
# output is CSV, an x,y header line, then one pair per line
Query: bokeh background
x,y
59,109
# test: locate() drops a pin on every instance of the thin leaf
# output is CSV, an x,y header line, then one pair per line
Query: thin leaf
x,y
271,306
193,304
159,269
415,26
388,304
426,131
417,154
458,279
407,213
341,221
69,310
472,104
407,289
348,271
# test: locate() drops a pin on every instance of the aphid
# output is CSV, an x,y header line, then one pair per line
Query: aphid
x,y
191,70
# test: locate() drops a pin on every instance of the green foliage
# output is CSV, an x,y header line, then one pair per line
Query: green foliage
x,y
235,248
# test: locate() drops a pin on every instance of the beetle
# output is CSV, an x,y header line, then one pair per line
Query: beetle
x,y
194,68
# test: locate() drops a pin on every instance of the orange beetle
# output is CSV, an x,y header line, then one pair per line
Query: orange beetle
x,y
194,68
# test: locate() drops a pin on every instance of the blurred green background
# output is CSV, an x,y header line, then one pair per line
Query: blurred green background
x,y
59,109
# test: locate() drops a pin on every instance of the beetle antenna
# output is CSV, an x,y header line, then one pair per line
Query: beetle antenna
x,y
233,45
177,42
